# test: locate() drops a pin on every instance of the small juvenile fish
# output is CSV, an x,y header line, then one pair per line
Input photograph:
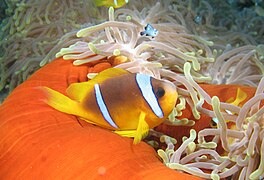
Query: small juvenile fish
x,y
197,19
109,3
127,103
149,31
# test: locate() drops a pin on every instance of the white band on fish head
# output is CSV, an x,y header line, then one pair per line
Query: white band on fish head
x,y
145,86
102,106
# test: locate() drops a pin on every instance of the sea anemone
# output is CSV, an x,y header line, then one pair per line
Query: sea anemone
x,y
33,31
186,59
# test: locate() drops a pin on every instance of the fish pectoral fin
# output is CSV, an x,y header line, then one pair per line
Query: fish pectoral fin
x,y
142,129
240,97
138,134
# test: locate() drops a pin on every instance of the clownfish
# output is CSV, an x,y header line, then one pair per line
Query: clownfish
x,y
109,3
149,31
240,97
127,103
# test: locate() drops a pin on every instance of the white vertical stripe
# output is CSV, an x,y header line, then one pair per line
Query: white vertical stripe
x,y
115,2
102,106
146,89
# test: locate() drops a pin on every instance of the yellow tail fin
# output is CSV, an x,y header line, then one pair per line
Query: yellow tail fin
x,y
61,102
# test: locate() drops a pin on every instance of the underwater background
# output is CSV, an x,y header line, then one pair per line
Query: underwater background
x,y
32,32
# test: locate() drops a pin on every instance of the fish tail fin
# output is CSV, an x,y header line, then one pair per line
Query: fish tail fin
x,y
60,102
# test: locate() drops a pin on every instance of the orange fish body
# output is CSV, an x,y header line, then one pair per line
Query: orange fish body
x,y
129,104
240,97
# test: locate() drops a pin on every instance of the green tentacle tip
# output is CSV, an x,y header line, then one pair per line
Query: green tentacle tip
x,y
202,40
43,62
184,138
64,50
157,64
215,176
176,166
163,156
182,104
84,32
111,10
192,134
163,139
196,113
80,33
187,67
128,18
196,65
116,52
172,115
210,43
59,54
93,48
191,147
91,75
215,100
189,53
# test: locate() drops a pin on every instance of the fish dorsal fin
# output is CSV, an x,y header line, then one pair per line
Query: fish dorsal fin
x,y
148,27
108,73
78,91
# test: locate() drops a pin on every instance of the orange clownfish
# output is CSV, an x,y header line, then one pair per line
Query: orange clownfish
x,y
127,103
109,3
240,97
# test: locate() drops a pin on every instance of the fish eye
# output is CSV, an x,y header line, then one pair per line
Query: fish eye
x,y
160,92
213,123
